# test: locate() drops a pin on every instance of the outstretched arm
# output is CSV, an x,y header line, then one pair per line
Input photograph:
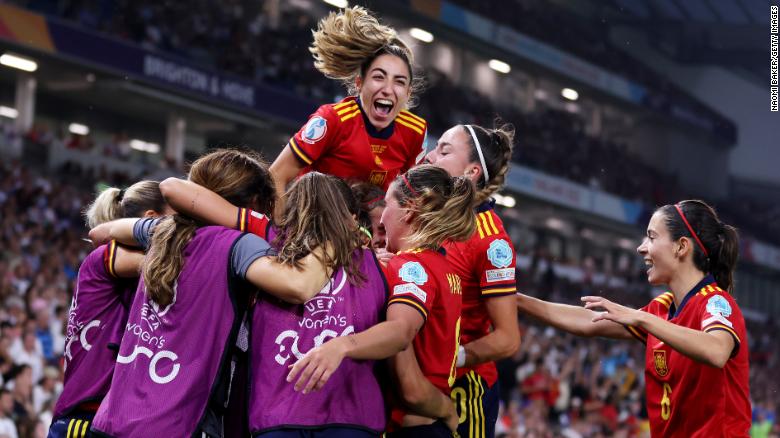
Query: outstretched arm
x,y
711,348
198,202
573,319
289,283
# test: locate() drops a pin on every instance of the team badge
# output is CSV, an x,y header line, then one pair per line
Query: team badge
x,y
659,360
718,305
315,130
377,177
500,253
413,272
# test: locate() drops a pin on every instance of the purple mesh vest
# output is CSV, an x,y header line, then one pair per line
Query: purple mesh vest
x,y
282,333
172,373
96,321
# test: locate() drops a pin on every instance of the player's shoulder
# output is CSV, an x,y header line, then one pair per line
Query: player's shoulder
x,y
660,305
489,224
340,112
411,123
716,300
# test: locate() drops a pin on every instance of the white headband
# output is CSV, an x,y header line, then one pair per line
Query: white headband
x,y
479,151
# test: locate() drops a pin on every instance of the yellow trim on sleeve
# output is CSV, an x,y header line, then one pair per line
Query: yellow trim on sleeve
x,y
714,327
299,152
490,219
351,115
502,290
343,104
411,120
409,125
414,116
410,302
346,110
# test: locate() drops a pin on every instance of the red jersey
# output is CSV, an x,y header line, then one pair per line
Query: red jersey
x,y
339,140
486,266
686,398
425,281
250,221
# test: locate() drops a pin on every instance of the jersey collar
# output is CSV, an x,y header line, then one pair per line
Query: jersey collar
x,y
383,134
673,311
490,204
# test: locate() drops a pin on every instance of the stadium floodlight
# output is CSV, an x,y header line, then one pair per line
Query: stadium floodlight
x,y
570,94
422,35
499,66
144,146
7,111
337,3
18,62
78,129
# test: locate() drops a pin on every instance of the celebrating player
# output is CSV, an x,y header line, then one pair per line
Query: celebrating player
x,y
696,355
174,372
424,208
486,266
369,136
107,280
372,203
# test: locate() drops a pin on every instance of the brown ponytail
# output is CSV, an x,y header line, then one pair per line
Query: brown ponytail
x,y
497,145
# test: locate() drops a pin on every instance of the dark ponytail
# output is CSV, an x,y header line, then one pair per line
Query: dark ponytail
x,y
720,241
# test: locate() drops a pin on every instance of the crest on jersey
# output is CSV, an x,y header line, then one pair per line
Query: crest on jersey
x,y
718,305
315,130
413,272
500,253
659,361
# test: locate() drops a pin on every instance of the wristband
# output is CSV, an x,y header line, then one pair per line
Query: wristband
x,y
461,357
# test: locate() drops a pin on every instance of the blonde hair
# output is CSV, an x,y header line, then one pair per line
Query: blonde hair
x,y
497,145
346,43
443,205
113,203
242,178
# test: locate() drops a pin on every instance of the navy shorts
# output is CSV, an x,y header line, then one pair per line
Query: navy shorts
x,y
476,405
72,426
434,430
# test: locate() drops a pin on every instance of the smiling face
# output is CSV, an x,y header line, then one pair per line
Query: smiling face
x,y
384,89
453,154
378,239
395,221
659,251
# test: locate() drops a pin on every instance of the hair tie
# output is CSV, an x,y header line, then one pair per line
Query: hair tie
x,y
409,186
479,152
690,228
369,204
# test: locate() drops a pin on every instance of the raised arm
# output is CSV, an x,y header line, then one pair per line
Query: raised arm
x,y
573,319
378,342
500,343
127,262
198,202
283,170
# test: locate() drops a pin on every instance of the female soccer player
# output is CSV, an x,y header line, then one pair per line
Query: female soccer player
x,y
696,356
369,136
174,372
486,266
425,207
371,199
107,280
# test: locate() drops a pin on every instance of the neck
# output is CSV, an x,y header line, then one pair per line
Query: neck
x,y
684,281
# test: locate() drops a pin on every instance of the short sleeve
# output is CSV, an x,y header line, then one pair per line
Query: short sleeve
x,y
109,258
658,307
253,222
718,313
247,249
410,284
496,262
313,140
142,231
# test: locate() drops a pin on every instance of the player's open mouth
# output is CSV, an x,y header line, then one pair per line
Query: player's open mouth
x,y
649,264
382,107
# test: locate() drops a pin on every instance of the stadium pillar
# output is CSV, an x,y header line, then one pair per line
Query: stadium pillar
x,y
174,140
25,101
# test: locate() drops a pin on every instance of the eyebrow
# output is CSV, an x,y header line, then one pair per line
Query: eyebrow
x,y
380,69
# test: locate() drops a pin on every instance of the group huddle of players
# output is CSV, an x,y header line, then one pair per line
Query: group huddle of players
x,y
356,286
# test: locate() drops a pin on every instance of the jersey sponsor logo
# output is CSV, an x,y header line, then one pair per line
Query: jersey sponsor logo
x,y
315,130
659,362
718,305
377,177
494,275
413,272
378,149
410,288
500,253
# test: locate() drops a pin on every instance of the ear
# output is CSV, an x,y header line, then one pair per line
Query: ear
x,y
474,172
408,216
150,213
358,82
683,248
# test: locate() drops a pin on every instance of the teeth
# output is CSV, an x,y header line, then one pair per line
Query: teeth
x,y
384,102
648,263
